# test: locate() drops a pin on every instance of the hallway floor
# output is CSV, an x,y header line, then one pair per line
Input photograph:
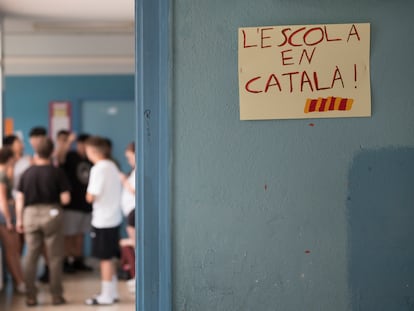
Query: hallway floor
x,y
77,288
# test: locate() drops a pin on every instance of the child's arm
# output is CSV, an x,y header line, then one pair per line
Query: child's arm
x,y
4,206
65,198
63,149
19,212
95,185
126,184
90,197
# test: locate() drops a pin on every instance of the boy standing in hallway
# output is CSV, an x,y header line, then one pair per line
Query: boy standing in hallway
x,y
42,190
78,213
104,192
37,134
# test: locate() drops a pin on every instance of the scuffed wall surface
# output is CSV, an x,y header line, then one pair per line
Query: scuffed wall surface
x,y
260,212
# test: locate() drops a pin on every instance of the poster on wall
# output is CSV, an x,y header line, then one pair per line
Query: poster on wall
x,y
59,117
304,71
8,126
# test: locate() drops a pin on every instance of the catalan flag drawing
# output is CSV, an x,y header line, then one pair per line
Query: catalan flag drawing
x,y
328,104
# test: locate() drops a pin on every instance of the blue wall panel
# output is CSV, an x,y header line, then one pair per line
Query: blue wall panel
x,y
380,229
260,208
27,97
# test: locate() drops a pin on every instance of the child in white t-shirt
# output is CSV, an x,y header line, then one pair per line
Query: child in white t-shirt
x,y
104,192
128,208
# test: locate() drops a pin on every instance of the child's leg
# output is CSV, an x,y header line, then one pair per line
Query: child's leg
x,y
10,241
108,274
105,297
34,242
104,246
106,270
108,291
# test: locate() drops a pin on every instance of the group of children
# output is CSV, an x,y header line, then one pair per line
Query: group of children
x,y
59,195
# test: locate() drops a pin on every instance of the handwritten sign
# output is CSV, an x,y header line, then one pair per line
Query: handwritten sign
x,y
310,71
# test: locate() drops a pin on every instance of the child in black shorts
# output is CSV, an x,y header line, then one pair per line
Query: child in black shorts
x,y
104,192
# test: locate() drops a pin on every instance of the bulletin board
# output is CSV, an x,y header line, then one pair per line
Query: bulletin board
x,y
304,71
60,117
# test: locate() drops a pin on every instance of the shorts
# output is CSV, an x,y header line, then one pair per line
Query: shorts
x,y
105,242
76,222
131,218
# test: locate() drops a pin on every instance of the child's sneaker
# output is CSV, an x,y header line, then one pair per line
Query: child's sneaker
x,y
21,288
99,300
131,285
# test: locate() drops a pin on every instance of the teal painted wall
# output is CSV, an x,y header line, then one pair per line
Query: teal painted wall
x,y
280,215
27,98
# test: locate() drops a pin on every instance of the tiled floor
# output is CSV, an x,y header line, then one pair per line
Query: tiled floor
x,y
77,287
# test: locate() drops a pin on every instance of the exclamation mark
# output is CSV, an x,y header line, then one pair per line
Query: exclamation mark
x,y
355,74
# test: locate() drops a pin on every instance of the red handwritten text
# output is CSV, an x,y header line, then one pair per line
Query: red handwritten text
x,y
268,37
293,82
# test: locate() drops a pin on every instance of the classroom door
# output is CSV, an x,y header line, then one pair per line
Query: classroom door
x,y
112,119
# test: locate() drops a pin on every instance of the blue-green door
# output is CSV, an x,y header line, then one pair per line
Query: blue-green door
x,y
112,119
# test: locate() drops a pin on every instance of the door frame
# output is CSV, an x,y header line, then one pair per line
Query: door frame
x,y
153,195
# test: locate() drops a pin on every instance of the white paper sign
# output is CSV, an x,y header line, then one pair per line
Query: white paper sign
x,y
304,71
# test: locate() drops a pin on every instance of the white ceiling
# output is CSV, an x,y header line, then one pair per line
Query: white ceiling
x,y
69,10
67,36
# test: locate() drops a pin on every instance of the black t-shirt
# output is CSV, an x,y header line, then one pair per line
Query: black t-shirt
x,y
77,170
43,184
